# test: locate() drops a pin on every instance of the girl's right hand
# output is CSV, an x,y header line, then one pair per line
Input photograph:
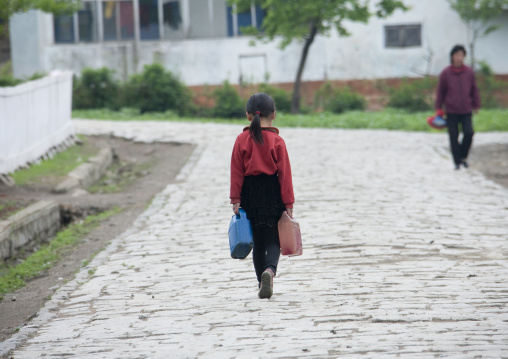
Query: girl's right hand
x,y
236,208
290,212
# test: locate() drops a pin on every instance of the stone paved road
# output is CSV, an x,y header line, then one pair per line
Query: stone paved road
x,y
403,257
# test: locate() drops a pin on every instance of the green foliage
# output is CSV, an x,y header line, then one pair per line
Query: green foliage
x,y
119,176
228,103
156,89
346,100
478,10
14,277
57,7
61,164
303,19
291,19
338,100
323,95
96,88
127,114
488,85
7,79
389,118
281,97
478,16
413,96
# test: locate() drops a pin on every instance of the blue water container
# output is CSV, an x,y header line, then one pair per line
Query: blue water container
x,y
240,236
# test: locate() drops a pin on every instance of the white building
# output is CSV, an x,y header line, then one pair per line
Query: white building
x,y
200,41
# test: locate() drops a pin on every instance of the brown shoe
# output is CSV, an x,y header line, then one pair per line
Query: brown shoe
x,y
266,289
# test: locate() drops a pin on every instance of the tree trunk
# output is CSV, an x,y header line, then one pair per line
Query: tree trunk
x,y
474,36
295,100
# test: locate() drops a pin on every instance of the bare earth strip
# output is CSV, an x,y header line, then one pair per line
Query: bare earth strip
x,y
402,257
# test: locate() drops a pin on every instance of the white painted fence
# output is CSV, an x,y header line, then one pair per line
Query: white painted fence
x,y
35,119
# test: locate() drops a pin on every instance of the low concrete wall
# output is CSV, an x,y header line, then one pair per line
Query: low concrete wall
x,y
88,173
37,222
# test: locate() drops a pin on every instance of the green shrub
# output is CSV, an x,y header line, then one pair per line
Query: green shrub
x,y
96,88
281,97
338,100
488,85
36,76
323,95
157,90
414,96
228,103
7,79
346,100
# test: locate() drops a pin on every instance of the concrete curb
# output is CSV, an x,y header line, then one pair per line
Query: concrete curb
x,y
36,222
87,173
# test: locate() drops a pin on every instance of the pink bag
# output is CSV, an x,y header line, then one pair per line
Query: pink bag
x,y
289,236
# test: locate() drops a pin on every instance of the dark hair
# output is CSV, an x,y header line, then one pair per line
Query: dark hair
x,y
455,49
259,104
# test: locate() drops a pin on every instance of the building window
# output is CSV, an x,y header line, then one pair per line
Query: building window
x,y
249,17
87,22
118,20
172,16
64,29
115,20
172,19
403,36
79,27
149,19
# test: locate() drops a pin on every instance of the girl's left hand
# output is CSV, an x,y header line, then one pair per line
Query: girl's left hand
x,y
236,208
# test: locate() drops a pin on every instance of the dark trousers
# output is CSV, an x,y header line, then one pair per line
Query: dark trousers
x,y
460,150
266,250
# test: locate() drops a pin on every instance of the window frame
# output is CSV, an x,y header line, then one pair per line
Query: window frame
x,y
402,35
232,15
256,17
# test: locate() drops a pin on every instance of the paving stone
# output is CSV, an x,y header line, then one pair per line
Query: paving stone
x,y
403,257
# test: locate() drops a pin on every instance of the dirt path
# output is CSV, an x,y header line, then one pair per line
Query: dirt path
x,y
492,161
159,163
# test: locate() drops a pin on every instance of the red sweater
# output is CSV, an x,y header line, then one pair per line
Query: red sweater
x,y
457,90
251,159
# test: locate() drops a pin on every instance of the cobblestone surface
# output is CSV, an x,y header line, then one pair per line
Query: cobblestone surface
x,y
403,257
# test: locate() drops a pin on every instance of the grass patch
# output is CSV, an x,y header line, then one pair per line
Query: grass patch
x,y
119,176
14,277
58,166
387,119
9,208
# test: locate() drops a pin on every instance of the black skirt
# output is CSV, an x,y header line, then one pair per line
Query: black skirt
x,y
261,199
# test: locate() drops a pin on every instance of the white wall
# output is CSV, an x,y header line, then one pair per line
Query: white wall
x,y
494,48
34,117
30,34
361,56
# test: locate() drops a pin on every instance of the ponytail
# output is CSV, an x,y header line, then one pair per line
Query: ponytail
x,y
257,105
255,129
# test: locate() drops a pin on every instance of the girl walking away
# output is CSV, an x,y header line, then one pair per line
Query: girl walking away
x,y
261,184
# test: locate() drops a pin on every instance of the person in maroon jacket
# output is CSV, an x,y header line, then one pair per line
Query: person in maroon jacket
x,y
458,92
262,185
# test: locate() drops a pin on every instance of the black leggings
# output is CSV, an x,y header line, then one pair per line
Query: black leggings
x,y
460,150
266,251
